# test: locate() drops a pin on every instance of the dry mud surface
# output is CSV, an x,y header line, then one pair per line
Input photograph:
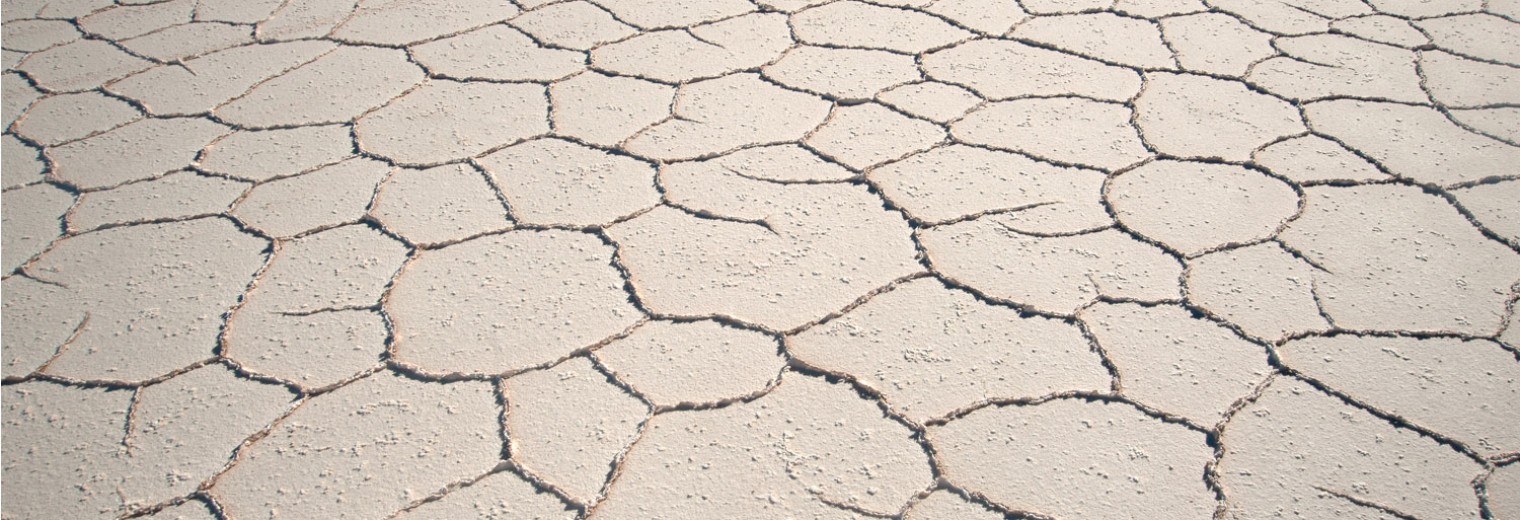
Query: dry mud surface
x,y
921,259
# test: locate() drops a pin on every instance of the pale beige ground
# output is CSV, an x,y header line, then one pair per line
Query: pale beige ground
x,y
920,259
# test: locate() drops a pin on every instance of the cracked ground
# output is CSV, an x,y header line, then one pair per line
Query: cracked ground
x,y
955,259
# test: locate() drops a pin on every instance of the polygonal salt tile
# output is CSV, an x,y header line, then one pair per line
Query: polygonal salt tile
x,y
721,114
778,255
372,446
174,196
569,423
200,84
605,110
260,155
999,69
957,181
1051,458
1463,389
856,24
66,117
577,24
704,51
782,162
446,121
507,302
549,181
650,14
991,18
405,23
156,294
1195,207
310,350
1401,259
1418,143
310,19
1482,36
1493,206
33,218
867,135
498,53
236,11
192,39
37,35
327,197
1080,131
1455,81
1197,116
781,455
38,319
931,350
1383,29
1498,123
1175,362
1282,17
1267,442
1159,8
1425,9
144,149
932,100
1324,65
1216,43
81,65
23,164
172,451
849,74
440,204
945,504
54,434
499,495
1504,491
698,362
1313,158
1053,274
66,9
1506,8
345,267
16,96
125,21
367,76
1104,36
1262,289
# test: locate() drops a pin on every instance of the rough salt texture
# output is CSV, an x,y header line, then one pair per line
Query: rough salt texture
x,y
931,350
1062,452
1176,362
867,135
440,204
1400,259
1292,422
176,195
807,441
698,362
327,197
959,181
1263,289
1002,69
266,154
500,495
507,302
1413,142
445,121
718,115
1066,130
366,449
549,181
568,423
1197,116
1053,274
1458,388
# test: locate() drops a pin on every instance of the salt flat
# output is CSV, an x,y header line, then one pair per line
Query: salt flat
x,y
921,259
